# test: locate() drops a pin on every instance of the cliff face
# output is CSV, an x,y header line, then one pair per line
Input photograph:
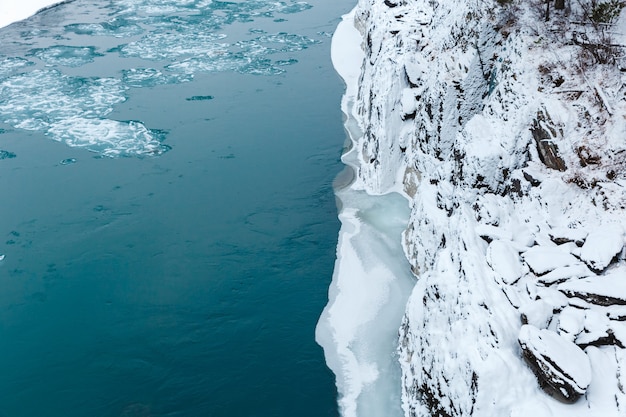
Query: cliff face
x,y
508,135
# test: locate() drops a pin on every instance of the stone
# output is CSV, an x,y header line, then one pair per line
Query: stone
x,y
562,368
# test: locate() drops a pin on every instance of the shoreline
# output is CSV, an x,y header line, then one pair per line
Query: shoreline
x,y
371,280
15,10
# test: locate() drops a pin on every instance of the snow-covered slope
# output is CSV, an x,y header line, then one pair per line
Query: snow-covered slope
x,y
15,10
508,135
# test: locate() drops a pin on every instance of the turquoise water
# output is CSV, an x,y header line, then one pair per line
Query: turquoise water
x,y
167,216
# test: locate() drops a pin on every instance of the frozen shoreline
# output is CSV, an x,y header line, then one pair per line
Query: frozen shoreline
x,y
372,279
13,11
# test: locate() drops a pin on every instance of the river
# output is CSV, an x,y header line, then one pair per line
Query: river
x,y
168,223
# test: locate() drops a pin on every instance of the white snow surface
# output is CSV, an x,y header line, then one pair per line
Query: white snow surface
x,y
571,361
457,105
15,10
372,279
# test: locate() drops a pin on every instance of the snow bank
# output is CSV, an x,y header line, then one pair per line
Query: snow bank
x,y
16,10
372,280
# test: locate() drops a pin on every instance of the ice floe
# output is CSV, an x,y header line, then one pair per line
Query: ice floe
x,y
175,40
371,280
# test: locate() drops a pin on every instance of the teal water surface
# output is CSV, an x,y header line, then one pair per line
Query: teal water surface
x,y
167,216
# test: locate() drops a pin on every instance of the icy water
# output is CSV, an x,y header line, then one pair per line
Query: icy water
x,y
167,218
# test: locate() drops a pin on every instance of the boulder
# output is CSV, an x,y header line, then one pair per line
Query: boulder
x,y
606,290
562,368
602,246
543,259
505,261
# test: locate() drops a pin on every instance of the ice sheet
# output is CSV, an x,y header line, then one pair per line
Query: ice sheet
x,y
372,279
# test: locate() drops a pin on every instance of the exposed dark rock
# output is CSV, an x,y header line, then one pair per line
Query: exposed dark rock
x,y
409,116
604,290
544,136
532,180
602,247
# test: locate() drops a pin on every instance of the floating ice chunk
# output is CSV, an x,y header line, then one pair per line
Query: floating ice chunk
x,y
35,99
504,259
6,155
159,46
199,98
602,245
117,27
542,259
281,42
12,65
69,56
154,7
68,161
556,361
108,137
150,77
2,257
291,8
284,62
72,110
192,66
261,67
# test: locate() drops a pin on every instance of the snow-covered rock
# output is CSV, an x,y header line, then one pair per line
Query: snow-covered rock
x,y
601,290
504,259
558,363
602,245
496,127
542,259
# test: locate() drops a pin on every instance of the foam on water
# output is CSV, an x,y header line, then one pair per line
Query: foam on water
x,y
182,36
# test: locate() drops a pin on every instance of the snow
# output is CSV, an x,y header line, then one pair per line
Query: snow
x,y
563,356
346,53
605,290
371,280
543,259
602,245
504,260
16,10
496,234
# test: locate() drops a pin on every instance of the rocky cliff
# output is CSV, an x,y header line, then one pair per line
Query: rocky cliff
x,y
505,125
